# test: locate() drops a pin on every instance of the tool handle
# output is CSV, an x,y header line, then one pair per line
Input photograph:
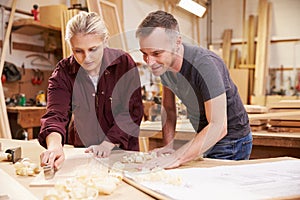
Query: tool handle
x,y
3,156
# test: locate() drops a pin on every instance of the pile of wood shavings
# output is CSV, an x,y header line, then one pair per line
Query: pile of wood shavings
x,y
86,186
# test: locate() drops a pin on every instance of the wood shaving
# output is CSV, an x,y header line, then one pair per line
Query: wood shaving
x,y
26,168
87,186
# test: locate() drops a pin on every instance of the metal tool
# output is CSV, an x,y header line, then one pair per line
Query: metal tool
x,y
14,154
49,172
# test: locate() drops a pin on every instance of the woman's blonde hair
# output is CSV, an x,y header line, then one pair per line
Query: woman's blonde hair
x,y
86,23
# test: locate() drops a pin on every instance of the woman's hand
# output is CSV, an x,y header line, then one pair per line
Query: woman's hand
x,y
102,150
53,157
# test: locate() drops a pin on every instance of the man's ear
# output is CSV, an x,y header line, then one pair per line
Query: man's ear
x,y
179,40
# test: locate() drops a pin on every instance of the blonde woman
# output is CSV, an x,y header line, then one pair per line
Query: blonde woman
x,y
99,87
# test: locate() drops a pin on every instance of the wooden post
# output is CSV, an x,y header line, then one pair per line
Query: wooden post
x,y
263,42
227,35
251,52
4,124
244,44
94,6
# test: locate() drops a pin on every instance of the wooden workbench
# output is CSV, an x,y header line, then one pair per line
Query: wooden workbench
x,y
31,149
265,144
27,117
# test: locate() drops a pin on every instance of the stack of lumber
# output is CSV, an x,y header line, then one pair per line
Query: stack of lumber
x,y
285,122
257,124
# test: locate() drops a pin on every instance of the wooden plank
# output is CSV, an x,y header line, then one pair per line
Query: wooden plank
x,y
251,53
142,188
113,24
94,6
278,116
269,144
284,129
246,66
257,122
119,5
233,59
255,128
4,124
240,78
263,42
244,44
250,41
32,27
251,84
63,33
255,109
66,16
286,123
28,47
285,104
273,110
227,35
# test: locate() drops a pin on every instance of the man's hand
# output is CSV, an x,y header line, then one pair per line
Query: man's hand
x,y
102,150
163,161
164,150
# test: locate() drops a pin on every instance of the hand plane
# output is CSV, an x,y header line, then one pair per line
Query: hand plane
x,y
12,154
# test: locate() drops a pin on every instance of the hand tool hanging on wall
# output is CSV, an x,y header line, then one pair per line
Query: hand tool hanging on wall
x,y
44,62
34,77
38,77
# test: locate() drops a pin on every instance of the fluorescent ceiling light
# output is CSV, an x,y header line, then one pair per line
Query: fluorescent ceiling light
x,y
192,7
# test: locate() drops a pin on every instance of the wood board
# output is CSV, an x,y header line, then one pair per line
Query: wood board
x,y
285,123
81,162
71,166
138,186
240,78
262,47
253,109
227,35
284,129
278,116
111,18
285,104
13,189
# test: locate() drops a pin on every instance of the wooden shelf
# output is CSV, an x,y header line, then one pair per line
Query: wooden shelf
x,y
31,27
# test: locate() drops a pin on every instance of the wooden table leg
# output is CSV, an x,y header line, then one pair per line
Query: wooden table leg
x,y
144,144
29,133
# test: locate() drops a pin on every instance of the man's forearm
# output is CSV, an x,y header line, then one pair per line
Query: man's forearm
x,y
168,132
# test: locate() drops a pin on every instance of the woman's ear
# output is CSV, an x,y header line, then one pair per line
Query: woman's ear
x,y
105,42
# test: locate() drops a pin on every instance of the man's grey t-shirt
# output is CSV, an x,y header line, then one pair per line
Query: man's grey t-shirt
x,y
204,76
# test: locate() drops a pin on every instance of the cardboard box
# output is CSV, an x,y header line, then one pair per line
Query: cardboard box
x,y
51,15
